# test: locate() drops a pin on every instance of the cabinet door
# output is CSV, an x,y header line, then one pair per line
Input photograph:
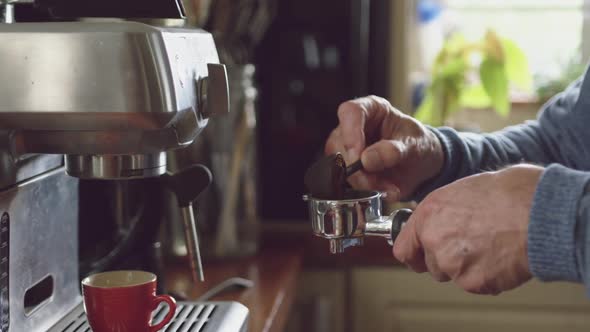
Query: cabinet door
x,y
395,299
320,304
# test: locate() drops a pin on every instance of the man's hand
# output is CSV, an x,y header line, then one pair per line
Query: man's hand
x,y
474,231
398,153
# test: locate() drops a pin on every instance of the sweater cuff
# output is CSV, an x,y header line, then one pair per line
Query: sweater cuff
x,y
450,143
551,234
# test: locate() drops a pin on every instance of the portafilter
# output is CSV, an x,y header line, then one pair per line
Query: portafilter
x,y
345,216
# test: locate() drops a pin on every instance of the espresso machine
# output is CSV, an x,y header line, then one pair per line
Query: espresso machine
x,y
96,98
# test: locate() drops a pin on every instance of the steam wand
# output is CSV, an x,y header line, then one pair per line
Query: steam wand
x,y
188,184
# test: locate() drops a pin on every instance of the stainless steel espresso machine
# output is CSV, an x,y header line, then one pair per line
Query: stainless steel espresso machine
x,y
95,99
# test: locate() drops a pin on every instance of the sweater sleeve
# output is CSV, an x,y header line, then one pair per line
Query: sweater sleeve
x,y
582,240
541,141
558,229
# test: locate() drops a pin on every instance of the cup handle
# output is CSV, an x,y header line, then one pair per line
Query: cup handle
x,y
171,312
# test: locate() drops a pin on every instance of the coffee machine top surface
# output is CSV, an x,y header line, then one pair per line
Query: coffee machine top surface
x,y
74,9
115,87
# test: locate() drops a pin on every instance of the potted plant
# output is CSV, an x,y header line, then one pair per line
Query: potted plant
x,y
474,75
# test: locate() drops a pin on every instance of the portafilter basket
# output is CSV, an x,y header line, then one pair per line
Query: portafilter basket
x,y
345,222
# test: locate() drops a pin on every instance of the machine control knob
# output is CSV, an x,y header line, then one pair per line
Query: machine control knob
x,y
214,91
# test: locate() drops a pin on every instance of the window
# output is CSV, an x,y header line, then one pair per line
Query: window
x,y
548,31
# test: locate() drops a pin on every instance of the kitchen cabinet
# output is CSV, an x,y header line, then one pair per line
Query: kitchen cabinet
x,y
395,299
321,302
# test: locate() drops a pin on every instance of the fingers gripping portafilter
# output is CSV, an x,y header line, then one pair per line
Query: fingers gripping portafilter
x,y
345,216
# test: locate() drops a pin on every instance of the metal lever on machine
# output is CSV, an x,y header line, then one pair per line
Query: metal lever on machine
x,y
214,91
187,185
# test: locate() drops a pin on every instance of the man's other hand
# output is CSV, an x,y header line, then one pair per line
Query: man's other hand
x,y
474,231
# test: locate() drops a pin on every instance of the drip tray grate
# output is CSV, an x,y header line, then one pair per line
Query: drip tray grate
x,y
189,317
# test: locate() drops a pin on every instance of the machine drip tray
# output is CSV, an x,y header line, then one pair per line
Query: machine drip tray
x,y
190,317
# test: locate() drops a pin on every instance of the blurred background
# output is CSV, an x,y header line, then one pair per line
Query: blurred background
x,y
292,62
318,54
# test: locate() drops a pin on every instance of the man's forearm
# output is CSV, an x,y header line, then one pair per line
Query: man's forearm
x,y
550,139
467,154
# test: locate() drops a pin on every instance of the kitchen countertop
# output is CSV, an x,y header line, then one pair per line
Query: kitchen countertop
x,y
274,272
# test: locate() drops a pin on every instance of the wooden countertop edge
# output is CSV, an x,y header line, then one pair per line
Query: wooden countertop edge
x,y
275,272
280,260
279,313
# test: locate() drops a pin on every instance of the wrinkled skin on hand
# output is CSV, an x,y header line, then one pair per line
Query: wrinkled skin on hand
x,y
398,152
474,231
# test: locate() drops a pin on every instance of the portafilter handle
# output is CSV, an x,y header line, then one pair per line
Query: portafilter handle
x,y
385,227
388,227
187,185
397,219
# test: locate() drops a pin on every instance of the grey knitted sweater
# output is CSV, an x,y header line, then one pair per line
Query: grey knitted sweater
x,y
559,229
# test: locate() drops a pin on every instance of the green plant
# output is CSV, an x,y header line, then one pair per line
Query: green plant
x,y
547,87
473,75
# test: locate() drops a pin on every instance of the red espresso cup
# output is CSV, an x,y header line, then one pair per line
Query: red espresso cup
x,y
123,301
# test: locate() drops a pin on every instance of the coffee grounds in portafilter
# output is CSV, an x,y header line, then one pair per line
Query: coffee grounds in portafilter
x,y
326,178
